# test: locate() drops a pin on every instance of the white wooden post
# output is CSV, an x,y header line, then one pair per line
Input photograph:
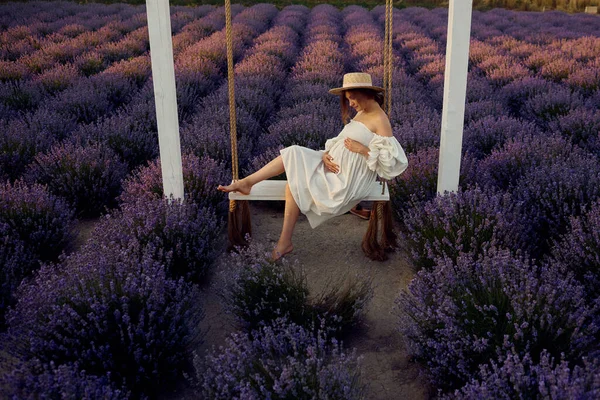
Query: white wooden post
x,y
455,90
163,76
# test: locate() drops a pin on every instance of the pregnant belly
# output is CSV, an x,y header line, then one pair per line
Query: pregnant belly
x,y
340,154
347,160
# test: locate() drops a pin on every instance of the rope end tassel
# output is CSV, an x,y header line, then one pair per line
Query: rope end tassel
x,y
238,224
380,223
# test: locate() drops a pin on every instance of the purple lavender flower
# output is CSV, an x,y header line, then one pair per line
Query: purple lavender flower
x,y
184,238
460,315
34,379
19,144
21,95
543,108
131,133
211,137
506,166
41,220
469,221
581,127
201,176
553,193
58,78
35,227
489,133
579,249
285,360
112,313
517,93
88,177
522,377
258,292
307,130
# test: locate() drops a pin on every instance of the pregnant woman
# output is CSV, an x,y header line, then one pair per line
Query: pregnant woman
x,y
325,183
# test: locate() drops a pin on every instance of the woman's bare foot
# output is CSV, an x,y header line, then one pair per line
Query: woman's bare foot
x,y
241,186
281,250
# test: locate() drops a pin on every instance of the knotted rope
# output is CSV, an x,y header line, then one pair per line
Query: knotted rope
x,y
239,216
387,57
381,215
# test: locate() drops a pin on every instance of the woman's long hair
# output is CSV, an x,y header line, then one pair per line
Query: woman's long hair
x,y
369,93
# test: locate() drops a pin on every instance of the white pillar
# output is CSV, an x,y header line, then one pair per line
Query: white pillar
x,y
455,89
163,76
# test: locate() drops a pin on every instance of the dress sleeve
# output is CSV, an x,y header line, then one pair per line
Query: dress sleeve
x,y
386,157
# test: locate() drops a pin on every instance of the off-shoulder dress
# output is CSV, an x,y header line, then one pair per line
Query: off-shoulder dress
x,y
321,194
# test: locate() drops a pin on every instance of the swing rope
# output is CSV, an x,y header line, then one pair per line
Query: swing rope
x,y
239,224
380,221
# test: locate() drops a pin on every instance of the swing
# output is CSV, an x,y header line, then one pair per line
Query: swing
x,y
239,224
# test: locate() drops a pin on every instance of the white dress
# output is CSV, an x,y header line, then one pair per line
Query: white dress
x,y
321,194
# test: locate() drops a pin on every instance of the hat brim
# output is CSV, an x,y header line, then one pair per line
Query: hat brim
x,y
342,89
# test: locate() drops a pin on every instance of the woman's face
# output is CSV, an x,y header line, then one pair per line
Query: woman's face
x,y
356,99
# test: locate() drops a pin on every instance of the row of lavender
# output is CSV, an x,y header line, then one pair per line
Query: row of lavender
x,y
505,302
145,257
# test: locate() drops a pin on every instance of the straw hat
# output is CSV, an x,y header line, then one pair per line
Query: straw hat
x,y
356,80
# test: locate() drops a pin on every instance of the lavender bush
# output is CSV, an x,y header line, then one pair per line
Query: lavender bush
x,y
280,361
20,96
517,93
57,79
257,292
579,249
459,315
41,220
210,136
553,193
111,312
490,133
201,176
581,127
131,133
310,131
19,144
15,263
505,167
34,380
88,177
466,222
521,377
544,108
35,226
184,238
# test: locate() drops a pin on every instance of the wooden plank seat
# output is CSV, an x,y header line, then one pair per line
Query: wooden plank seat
x,y
271,189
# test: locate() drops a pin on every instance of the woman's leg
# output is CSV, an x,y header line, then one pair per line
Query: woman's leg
x,y
273,168
291,213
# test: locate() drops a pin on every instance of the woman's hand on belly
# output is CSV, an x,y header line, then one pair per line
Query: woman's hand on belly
x,y
329,164
356,147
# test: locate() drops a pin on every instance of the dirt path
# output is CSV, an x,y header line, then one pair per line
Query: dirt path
x,y
332,250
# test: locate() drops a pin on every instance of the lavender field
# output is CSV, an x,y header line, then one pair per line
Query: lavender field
x,y
505,299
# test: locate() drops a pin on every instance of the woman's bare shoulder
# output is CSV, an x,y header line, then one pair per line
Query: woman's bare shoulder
x,y
383,125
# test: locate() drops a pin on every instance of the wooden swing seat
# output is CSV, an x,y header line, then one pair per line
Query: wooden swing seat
x,y
275,190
